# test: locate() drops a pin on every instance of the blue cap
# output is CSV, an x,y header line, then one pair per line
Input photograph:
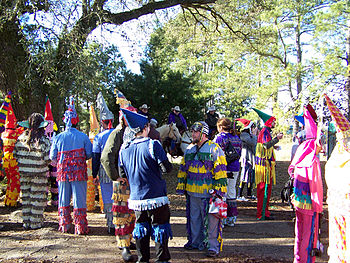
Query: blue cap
x,y
135,121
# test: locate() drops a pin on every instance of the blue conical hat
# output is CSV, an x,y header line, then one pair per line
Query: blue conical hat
x,y
135,121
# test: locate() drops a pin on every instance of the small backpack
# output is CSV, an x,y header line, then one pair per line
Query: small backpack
x,y
231,153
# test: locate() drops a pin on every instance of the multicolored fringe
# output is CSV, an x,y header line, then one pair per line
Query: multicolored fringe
x,y
73,165
265,165
161,233
80,221
123,217
90,193
220,240
13,179
64,219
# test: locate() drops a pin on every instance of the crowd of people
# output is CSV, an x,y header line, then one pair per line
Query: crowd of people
x,y
128,162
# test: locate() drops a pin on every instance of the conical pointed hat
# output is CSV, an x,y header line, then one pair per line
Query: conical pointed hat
x,y
310,124
11,121
267,119
135,121
105,113
247,123
342,123
3,111
94,126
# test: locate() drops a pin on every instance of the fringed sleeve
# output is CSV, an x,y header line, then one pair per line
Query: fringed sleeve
x,y
181,178
219,170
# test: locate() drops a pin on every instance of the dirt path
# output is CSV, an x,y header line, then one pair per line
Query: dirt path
x,y
248,241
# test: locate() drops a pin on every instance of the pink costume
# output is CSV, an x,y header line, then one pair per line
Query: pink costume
x,y
308,193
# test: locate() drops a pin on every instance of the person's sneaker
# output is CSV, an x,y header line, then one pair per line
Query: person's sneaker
x,y
212,254
253,197
242,198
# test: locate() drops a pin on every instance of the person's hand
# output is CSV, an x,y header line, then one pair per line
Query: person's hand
x,y
96,181
280,136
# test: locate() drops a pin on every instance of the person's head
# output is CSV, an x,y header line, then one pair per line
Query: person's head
x,y
177,110
224,125
153,122
144,108
107,124
35,128
200,132
212,110
145,131
136,122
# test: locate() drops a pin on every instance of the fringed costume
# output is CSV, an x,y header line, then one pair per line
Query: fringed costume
x,y
9,138
338,189
201,170
148,194
94,130
70,149
3,115
33,166
307,198
264,171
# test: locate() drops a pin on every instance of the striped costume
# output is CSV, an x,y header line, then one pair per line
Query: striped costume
x,y
201,170
33,166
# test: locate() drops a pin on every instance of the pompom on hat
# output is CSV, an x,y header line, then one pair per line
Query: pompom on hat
x,y
70,116
247,123
135,121
267,119
342,124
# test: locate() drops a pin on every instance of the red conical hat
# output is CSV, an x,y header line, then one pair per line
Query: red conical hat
x,y
48,112
11,121
245,122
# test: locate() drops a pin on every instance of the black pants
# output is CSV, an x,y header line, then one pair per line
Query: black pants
x,y
158,216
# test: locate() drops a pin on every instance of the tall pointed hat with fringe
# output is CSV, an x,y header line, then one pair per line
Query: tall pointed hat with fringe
x,y
342,123
267,119
123,102
310,124
105,113
49,117
94,126
11,121
3,111
70,116
135,121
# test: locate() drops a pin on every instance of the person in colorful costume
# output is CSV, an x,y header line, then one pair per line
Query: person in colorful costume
x,y
52,173
123,217
142,162
70,150
249,140
3,114
225,136
265,165
32,153
9,137
106,119
203,168
307,198
338,189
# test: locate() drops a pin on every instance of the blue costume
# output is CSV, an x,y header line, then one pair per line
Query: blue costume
x,y
140,161
97,169
70,150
